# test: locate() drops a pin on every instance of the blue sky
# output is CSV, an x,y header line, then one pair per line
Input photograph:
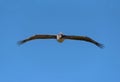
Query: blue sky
x,y
50,61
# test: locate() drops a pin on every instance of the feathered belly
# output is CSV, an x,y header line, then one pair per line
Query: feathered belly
x,y
60,40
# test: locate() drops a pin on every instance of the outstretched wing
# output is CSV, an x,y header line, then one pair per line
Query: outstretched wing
x,y
84,38
37,37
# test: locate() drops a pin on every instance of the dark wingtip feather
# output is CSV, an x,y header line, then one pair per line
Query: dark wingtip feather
x,y
100,45
21,42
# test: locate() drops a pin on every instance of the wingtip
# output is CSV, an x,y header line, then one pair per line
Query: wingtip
x,y
20,42
100,45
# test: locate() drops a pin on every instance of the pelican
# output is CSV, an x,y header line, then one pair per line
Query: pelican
x,y
61,37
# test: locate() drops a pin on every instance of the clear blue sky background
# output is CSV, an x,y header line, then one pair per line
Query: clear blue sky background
x,y
50,61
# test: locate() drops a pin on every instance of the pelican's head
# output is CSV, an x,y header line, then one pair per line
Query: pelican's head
x,y
59,37
61,33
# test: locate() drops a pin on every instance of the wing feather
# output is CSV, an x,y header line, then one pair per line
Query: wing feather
x,y
84,38
37,37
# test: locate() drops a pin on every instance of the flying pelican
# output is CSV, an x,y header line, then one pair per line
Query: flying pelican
x,y
61,37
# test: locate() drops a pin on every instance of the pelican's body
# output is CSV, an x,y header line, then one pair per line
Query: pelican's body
x,y
61,37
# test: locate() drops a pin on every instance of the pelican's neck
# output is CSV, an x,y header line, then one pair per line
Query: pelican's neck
x,y
59,36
